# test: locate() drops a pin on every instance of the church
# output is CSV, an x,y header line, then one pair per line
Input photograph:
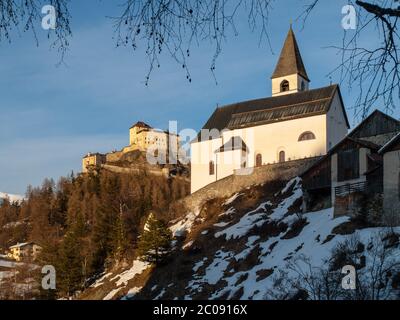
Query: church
x,y
295,122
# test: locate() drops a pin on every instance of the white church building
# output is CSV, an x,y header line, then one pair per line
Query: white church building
x,y
294,123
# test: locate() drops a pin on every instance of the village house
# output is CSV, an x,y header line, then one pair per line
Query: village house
x,y
144,138
356,167
296,122
24,251
92,160
391,177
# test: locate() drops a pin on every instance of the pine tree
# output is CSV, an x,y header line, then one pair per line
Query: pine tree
x,y
120,240
155,242
71,264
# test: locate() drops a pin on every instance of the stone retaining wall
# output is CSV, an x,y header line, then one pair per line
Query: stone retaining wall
x,y
238,181
157,172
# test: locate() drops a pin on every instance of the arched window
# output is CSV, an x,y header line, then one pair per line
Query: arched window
x,y
303,86
284,86
258,160
211,168
282,156
308,135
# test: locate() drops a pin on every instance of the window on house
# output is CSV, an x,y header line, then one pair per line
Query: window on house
x,y
258,160
282,156
211,168
303,86
284,86
308,135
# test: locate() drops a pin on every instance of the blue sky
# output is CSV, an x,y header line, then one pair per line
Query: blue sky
x,y
52,115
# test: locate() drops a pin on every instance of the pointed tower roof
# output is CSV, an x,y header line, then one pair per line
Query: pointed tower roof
x,y
290,61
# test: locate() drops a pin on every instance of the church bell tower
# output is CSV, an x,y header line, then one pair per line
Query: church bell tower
x,y
290,75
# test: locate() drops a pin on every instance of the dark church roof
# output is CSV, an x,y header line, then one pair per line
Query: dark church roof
x,y
273,109
290,61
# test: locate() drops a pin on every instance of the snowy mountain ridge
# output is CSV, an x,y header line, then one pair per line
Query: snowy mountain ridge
x,y
11,197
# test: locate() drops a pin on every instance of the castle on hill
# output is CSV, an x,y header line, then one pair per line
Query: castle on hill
x,y
143,138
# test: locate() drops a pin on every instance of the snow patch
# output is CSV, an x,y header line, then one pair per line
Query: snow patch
x,y
111,294
132,292
137,268
184,225
187,245
11,197
99,282
228,212
231,199
221,224
251,219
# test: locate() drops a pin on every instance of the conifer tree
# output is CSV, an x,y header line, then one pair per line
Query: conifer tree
x,y
155,242
70,267
120,237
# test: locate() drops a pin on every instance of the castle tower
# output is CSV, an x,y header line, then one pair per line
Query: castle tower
x,y
290,75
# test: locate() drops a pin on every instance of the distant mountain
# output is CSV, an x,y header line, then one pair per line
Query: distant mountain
x,y
11,197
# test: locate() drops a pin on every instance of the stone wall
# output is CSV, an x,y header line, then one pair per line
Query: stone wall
x,y
114,156
238,181
136,170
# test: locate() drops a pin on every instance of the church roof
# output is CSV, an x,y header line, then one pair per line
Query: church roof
x,y
273,109
290,61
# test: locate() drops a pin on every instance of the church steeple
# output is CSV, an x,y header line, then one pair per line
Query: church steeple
x,y
290,75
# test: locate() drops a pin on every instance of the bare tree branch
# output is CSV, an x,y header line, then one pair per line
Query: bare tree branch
x,y
174,25
26,15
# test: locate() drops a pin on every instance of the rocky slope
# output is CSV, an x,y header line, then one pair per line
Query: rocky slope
x,y
248,246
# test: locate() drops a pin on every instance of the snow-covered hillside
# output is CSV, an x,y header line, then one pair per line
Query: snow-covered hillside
x,y
11,197
225,250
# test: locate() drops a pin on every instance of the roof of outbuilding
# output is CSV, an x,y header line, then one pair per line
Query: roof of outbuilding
x,y
375,124
290,61
390,143
20,245
273,109
364,143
